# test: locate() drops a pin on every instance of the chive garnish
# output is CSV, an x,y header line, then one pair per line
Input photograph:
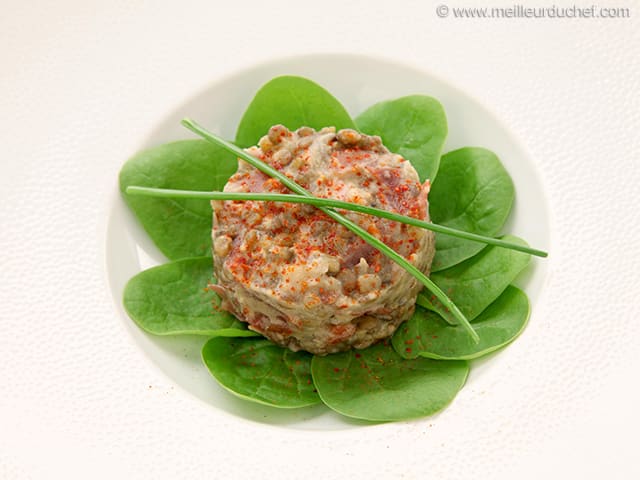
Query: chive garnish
x,y
329,202
353,227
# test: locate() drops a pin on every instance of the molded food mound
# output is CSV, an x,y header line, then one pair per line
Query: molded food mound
x,y
298,277
422,368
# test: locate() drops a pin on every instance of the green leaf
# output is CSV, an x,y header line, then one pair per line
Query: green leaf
x,y
377,384
173,299
179,227
293,102
414,127
260,371
478,281
473,192
426,334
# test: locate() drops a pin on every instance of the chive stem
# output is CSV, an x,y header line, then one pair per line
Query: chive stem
x,y
329,202
353,227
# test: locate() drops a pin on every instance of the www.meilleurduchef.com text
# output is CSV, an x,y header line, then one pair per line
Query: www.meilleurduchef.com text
x,y
528,11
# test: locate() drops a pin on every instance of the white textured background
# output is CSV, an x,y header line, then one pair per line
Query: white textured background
x,y
81,84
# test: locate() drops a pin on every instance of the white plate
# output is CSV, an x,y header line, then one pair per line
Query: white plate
x,y
220,107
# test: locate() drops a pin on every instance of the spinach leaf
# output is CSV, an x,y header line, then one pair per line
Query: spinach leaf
x,y
179,227
478,281
414,127
377,384
293,102
473,192
260,371
426,334
173,299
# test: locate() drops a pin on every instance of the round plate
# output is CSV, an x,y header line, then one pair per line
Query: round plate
x,y
358,82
